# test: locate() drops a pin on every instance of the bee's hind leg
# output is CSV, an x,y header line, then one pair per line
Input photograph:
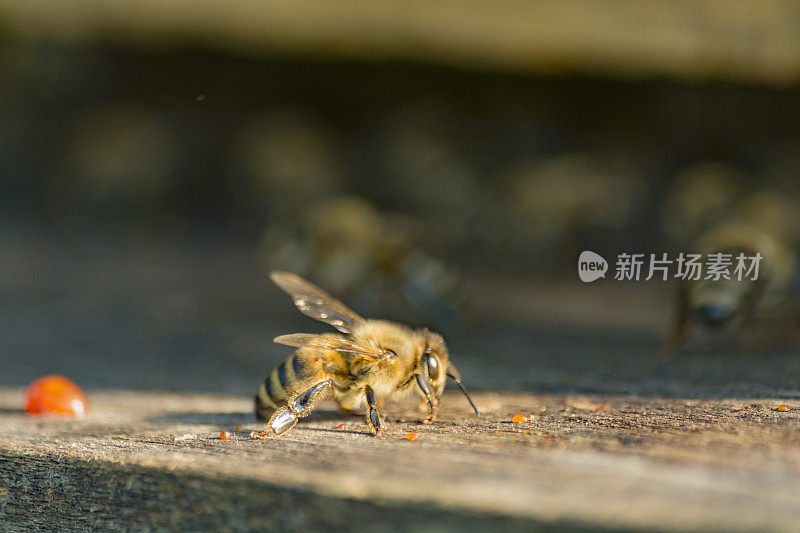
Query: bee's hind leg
x,y
373,417
286,417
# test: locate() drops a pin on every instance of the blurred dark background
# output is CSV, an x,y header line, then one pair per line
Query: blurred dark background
x,y
149,183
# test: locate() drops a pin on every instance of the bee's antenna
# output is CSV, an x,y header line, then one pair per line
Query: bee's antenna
x,y
460,386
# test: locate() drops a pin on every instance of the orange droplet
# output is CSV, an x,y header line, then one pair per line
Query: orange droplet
x,y
55,395
340,426
224,435
412,436
782,407
519,418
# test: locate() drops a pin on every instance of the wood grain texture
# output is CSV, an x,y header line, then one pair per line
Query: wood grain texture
x,y
155,460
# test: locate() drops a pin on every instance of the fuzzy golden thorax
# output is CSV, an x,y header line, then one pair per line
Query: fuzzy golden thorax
x,y
393,376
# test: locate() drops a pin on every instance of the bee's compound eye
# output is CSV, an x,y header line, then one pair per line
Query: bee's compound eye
x,y
433,366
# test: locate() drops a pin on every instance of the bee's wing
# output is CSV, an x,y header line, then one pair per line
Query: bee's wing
x,y
316,303
323,342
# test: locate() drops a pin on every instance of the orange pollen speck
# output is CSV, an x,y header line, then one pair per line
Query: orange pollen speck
x,y
782,407
527,432
519,418
412,436
340,426
224,435
55,395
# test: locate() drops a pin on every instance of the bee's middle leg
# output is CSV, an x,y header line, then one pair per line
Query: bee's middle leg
x,y
373,417
286,417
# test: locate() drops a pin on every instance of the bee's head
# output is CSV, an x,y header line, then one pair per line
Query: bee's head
x,y
714,315
434,366
433,361
717,303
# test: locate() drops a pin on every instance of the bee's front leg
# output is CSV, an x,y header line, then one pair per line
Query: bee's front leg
x,y
286,417
426,390
373,417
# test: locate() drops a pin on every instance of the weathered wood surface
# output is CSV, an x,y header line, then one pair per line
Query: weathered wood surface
x,y
693,444
708,39
155,460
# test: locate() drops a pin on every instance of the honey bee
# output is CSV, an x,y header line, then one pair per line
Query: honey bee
x,y
722,302
373,359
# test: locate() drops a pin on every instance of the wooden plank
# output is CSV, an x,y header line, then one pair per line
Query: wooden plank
x,y
706,39
155,460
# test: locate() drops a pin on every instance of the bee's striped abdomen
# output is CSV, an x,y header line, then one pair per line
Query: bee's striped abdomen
x,y
265,405
272,394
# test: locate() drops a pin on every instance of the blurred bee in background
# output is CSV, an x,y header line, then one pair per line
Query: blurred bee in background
x,y
369,255
719,303
376,359
763,223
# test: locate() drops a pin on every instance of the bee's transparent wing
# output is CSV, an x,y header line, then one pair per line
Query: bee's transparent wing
x,y
316,303
323,342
